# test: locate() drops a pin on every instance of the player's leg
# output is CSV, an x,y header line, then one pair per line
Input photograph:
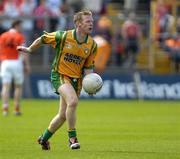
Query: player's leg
x,y
58,81
17,98
54,125
69,94
5,97
60,118
18,75
56,122
6,83
71,98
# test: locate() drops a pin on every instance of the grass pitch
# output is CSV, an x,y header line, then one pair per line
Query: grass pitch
x,y
106,129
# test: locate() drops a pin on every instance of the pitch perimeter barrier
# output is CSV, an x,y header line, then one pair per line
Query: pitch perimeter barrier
x,y
163,87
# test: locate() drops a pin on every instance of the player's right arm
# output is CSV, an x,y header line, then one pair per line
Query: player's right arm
x,y
46,38
35,45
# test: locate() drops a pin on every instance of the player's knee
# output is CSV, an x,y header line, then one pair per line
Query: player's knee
x,y
4,91
73,102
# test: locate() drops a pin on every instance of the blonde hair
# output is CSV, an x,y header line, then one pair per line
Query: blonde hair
x,y
78,16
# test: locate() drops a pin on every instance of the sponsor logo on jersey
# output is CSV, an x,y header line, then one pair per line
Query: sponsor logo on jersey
x,y
73,58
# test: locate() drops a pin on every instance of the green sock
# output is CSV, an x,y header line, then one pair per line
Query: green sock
x,y
72,133
46,135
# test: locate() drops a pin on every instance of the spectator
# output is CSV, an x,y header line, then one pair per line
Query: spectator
x,y
18,2
130,6
172,46
119,47
104,27
26,9
178,26
41,11
11,10
103,38
131,34
94,5
75,5
64,19
103,53
54,7
1,7
65,8
164,21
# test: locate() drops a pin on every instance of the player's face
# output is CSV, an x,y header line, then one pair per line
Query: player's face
x,y
87,24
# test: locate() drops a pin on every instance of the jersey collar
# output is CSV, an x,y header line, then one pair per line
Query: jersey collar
x,y
75,38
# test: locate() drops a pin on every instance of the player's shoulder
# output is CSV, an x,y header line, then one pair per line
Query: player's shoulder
x,y
60,34
45,33
4,34
70,31
67,34
61,31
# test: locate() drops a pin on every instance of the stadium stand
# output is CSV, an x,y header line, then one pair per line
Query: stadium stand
x,y
150,58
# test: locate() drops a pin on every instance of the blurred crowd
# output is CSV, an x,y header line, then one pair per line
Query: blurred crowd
x,y
119,41
58,10
168,36
53,8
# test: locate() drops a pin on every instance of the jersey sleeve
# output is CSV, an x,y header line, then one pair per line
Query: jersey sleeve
x,y
89,63
49,38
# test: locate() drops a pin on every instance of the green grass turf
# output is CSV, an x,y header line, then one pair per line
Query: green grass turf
x,y
106,129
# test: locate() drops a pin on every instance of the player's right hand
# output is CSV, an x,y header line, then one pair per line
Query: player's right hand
x,y
23,49
91,94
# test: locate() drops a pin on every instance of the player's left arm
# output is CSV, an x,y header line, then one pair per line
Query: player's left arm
x,y
26,63
89,63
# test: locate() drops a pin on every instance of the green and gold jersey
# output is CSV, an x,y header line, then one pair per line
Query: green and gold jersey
x,y
71,56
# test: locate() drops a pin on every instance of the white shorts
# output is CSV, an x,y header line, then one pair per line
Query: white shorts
x,y
12,70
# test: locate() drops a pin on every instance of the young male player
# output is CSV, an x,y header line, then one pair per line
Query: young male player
x,y
75,52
